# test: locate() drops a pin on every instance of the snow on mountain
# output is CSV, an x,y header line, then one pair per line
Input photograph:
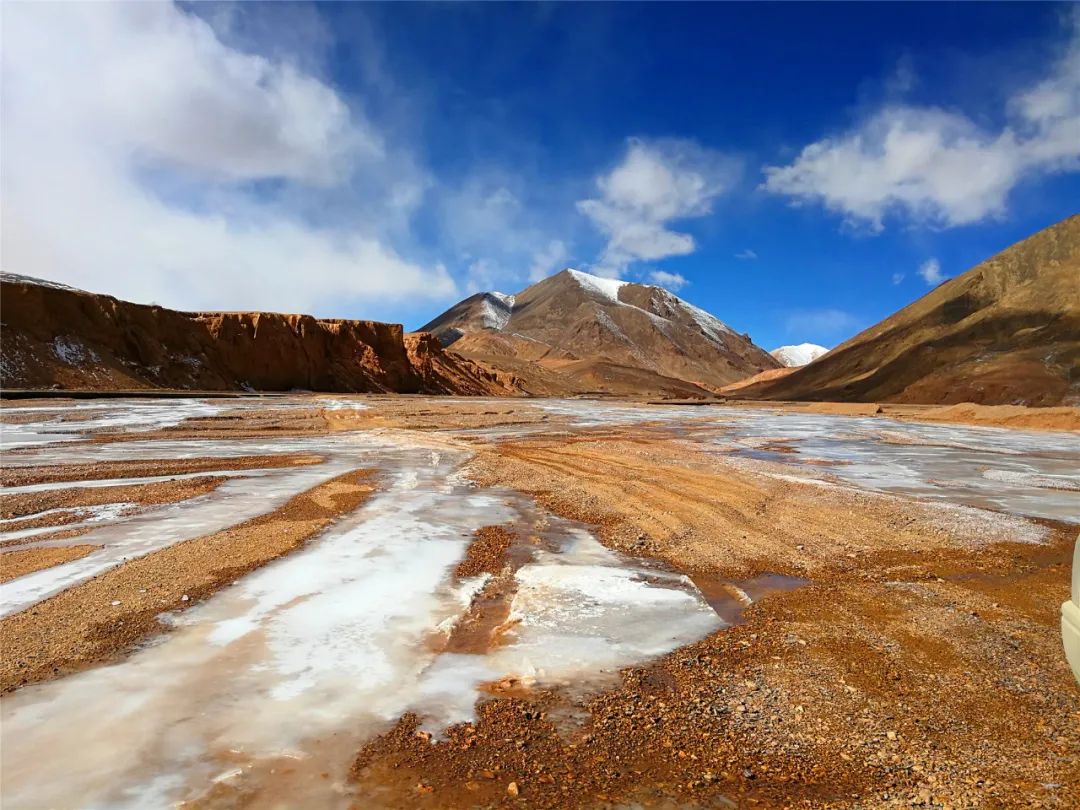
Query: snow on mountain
x,y
495,309
607,287
798,355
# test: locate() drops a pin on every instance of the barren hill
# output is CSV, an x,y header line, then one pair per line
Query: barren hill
x,y
54,336
1005,332
575,332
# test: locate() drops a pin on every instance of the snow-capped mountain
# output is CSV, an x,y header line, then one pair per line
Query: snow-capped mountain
x,y
798,355
573,321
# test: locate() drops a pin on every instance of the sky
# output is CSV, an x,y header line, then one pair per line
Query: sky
x,y
799,170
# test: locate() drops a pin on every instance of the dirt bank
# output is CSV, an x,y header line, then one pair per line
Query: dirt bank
x,y
21,562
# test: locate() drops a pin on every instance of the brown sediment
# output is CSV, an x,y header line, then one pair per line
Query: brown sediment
x,y
486,624
920,667
669,500
14,564
486,553
1011,416
12,476
161,492
82,625
1025,417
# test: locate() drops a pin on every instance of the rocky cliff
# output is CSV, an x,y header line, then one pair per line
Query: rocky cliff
x,y
53,336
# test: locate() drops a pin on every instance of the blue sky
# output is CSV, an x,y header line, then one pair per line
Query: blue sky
x,y
799,170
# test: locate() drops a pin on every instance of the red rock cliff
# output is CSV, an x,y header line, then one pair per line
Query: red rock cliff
x,y
54,336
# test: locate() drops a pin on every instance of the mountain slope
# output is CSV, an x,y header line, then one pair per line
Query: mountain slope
x,y
798,355
58,337
1005,332
573,321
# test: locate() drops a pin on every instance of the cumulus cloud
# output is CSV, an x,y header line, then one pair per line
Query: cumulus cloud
x,y
671,281
656,183
930,271
146,158
940,166
746,255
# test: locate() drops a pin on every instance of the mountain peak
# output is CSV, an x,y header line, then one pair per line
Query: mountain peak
x,y
799,354
600,328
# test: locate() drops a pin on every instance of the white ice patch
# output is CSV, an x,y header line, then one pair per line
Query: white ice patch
x,y
576,614
330,645
91,515
245,495
341,404
115,416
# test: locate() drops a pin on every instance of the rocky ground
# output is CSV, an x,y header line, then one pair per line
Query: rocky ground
x,y
920,665
883,651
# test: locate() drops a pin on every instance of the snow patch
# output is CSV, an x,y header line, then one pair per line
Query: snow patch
x,y
798,355
712,326
605,287
495,310
17,278
71,351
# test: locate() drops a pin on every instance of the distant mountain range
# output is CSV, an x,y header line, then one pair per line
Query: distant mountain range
x,y
578,333
1007,331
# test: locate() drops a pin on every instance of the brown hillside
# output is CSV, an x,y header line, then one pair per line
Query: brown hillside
x,y
1005,332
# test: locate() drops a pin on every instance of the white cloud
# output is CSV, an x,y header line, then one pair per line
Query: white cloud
x,y
930,272
897,278
657,182
133,140
548,260
940,166
672,281
746,254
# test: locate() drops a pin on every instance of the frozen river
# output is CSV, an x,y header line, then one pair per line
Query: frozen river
x,y
304,658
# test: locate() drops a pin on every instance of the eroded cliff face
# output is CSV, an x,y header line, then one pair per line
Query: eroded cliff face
x,y
57,337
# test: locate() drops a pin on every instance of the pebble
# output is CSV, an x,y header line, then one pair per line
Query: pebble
x,y
512,789
184,598
115,602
